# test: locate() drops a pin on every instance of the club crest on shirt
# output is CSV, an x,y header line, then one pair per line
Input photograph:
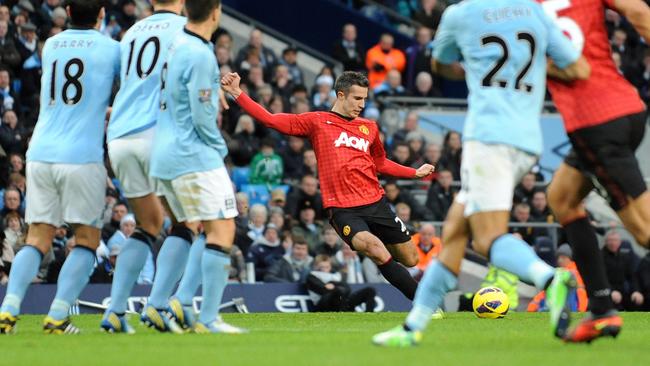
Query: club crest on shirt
x,y
204,95
364,129
346,230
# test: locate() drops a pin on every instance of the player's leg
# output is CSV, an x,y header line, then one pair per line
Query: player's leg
x,y
439,278
209,197
181,306
130,162
404,253
566,193
170,263
43,214
82,189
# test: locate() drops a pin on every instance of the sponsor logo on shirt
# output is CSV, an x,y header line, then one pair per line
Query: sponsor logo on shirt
x,y
204,95
352,141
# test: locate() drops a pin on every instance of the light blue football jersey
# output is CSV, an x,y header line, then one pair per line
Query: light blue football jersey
x,y
187,137
144,50
79,68
503,44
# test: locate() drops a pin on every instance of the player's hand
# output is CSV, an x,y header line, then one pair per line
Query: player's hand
x,y
616,297
637,298
329,286
230,84
424,171
223,101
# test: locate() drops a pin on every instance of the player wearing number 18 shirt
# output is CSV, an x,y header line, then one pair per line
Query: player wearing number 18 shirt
x,y
605,119
130,137
350,154
66,178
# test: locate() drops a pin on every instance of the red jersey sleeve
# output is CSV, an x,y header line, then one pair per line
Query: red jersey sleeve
x,y
386,166
288,124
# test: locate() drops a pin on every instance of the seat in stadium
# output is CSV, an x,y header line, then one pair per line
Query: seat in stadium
x,y
240,176
257,193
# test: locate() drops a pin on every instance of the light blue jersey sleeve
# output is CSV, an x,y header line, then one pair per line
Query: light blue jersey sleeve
x,y
559,48
445,47
204,103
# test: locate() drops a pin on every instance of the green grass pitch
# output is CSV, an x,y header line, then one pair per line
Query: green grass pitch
x,y
328,339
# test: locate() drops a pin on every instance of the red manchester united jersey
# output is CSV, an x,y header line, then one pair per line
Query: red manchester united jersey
x,y
606,95
349,152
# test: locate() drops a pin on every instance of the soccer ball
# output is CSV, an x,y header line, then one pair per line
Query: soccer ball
x,y
490,303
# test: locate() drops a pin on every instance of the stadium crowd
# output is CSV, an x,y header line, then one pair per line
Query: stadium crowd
x,y
282,229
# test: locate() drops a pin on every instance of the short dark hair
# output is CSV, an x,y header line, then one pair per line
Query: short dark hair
x,y
199,10
84,13
348,79
299,240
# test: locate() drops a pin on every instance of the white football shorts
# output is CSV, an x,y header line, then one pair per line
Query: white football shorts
x,y
130,156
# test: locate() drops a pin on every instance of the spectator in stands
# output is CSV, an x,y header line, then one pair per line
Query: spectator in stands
x,y
391,86
402,154
119,211
540,211
282,82
424,87
277,216
308,228
255,79
329,292
12,203
419,56
441,195
17,163
7,255
451,154
432,154
223,57
8,97
292,157
428,246
410,125
621,274
429,13
267,57
127,227
306,195
116,243
15,230
643,272
330,246
245,143
258,215
237,271
127,17
224,39
403,212
309,162
266,166
278,200
521,215
348,51
525,189
292,267
619,42
265,251
277,104
242,240
12,134
9,55
5,16
18,182
395,195
351,265
382,58
416,143
324,98
290,60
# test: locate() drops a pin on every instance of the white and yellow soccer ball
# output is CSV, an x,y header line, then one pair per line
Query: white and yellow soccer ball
x,y
490,303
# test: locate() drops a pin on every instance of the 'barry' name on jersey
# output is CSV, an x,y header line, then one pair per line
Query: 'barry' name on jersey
x,y
80,43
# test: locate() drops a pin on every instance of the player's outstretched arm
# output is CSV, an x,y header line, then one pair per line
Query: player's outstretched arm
x,y
289,124
452,71
637,12
579,70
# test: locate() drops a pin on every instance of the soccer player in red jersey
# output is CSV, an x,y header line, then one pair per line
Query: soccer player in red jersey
x,y
605,120
350,154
